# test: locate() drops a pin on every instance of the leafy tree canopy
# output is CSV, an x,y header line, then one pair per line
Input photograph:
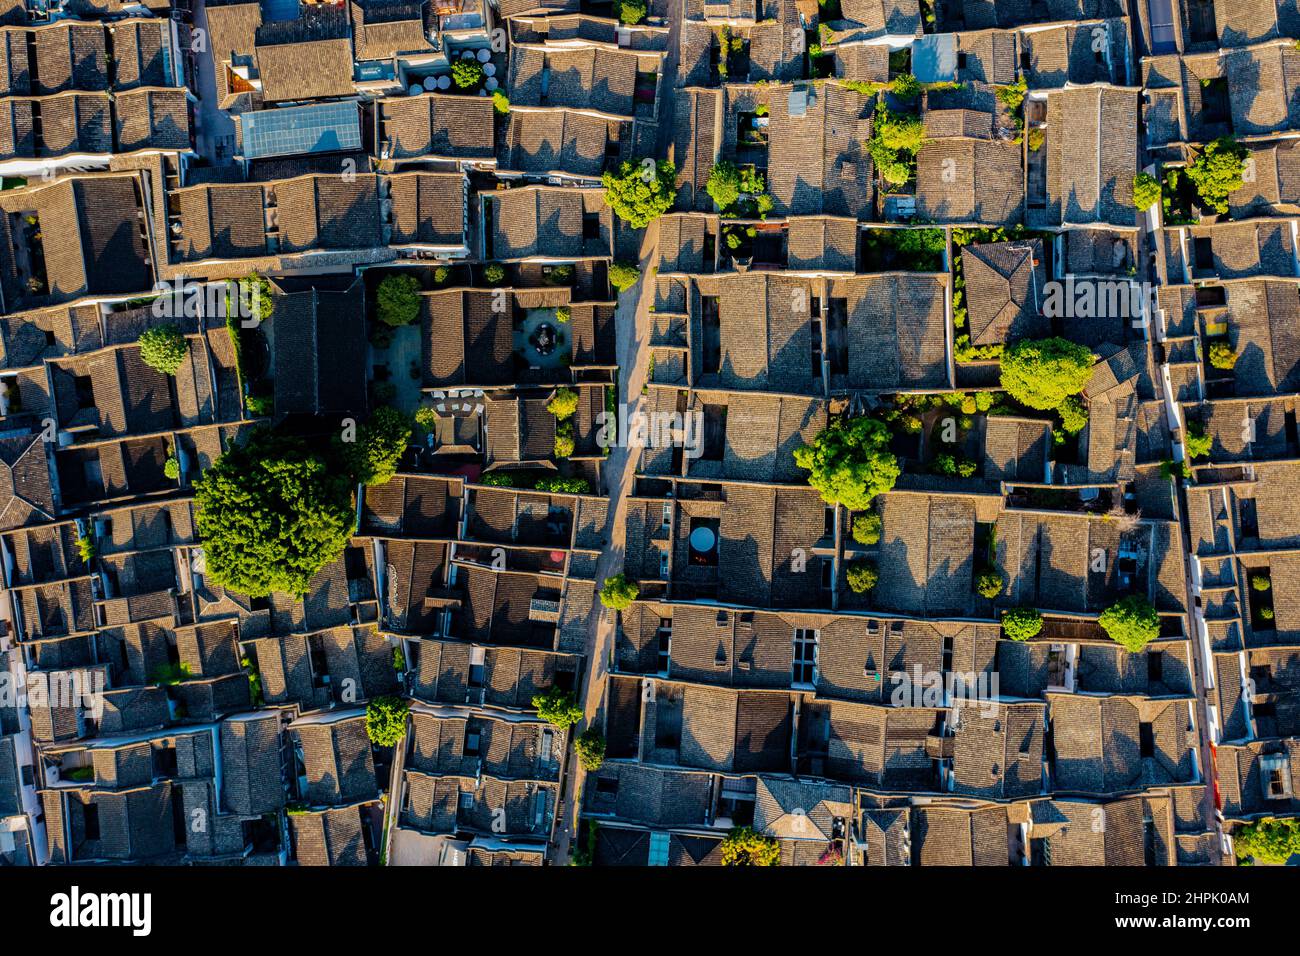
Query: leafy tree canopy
x,y
163,348
373,458
724,184
591,749
1217,172
861,576
398,299
558,707
1043,373
1021,623
270,515
386,720
745,846
623,275
1268,840
1146,190
850,462
641,192
618,592
1131,622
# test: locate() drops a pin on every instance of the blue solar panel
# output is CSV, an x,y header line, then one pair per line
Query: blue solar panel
x,y
318,128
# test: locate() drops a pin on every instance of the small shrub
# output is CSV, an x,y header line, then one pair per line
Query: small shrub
x,y
1222,356
560,275
590,746
163,348
745,846
1146,190
866,528
563,314
172,468
498,479
1259,582
566,486
500,102
564,404
630,12
1266,613
1021,623
1197,441
564,445
441,275
259,405
618,593
990,582
494,273
466,73
624,275
861,576
86,548
386,720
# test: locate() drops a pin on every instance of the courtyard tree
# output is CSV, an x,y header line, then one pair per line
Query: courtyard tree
x,y
1043,373
558,707
271,514
850,462
386,720
1131,622
641,192
372,456
1021,623
397,299
1218,172
618,592
163,348
745,846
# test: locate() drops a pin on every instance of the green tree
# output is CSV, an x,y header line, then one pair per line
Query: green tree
x,y
1021,623
494,273
1197,441
618,593
386,720
1131,622
500,102
861,576
466,73
745,846
255,297
163,348
1267,840
270,515
172,468
1217,172
1146,190
1259,582
1073,415
990,582
866,528
895,140
623,275
630,12
1043,373
641,192
850,462
557,707
380,443
563,404
1222,356
723,185
590,746
398,299
566,486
